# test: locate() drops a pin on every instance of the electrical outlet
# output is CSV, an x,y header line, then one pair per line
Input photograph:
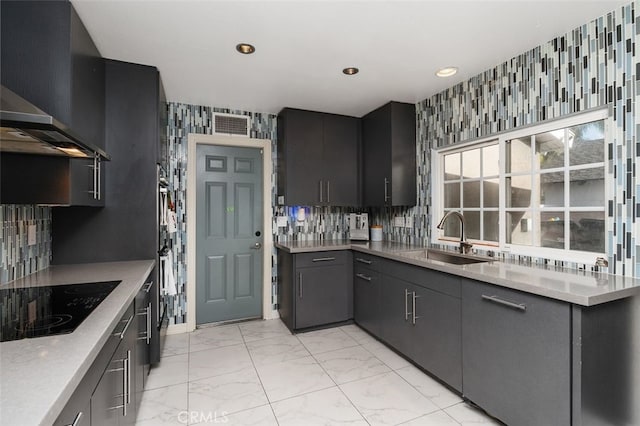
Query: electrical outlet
x,y
408,222
31,235
282,221
398,221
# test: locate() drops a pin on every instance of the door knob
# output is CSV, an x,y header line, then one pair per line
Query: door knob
x,y
257,246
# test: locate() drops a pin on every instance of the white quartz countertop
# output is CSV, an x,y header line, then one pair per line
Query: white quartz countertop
x,y
39,375
583,288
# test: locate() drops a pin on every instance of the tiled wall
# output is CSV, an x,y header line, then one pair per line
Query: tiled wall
x,y
17,258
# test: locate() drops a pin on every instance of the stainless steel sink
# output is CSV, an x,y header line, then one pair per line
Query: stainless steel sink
x,y
446,256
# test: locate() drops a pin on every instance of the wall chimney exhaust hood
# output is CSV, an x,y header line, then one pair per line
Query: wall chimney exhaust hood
x,y
26,129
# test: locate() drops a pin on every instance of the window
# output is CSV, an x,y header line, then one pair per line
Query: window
x,y
539,190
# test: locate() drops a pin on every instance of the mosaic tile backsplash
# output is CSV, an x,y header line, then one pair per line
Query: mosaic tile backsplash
x,y
17,258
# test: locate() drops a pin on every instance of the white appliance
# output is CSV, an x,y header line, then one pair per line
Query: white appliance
x,y
359,226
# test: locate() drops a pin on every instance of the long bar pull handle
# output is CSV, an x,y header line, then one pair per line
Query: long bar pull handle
x,y
149,323
499,301
124,330
98,178
320,190
328,191
413,315
300,285
323,259
148,286
386,190
365,261
406,305
364,277
76,419
128,378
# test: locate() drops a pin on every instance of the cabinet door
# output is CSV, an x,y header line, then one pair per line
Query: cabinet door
x,y
366,299
376,155
403,156
436,344
108,397
145,332
340,146
516,355
396,313
300,157
322,295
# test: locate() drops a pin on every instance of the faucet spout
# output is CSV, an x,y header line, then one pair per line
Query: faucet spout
x,y
465,246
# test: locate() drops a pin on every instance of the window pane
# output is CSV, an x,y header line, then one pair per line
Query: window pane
x,y
491,160
471,194
451,227
552,230
490,190
550,149
519,228
552,189
586,143
518,155
452,166
472,225
588,233
451,195
586,187
491,225
471,163
518,191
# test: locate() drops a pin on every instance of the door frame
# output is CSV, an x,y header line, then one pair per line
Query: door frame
x,y
194,139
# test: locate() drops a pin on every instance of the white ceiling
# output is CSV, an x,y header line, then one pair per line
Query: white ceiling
x,y
302,46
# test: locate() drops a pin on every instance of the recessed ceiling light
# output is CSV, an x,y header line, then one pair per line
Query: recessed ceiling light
x,y
245,48
350,71
446,72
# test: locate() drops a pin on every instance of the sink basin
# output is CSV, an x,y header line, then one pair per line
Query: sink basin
x,y
447,256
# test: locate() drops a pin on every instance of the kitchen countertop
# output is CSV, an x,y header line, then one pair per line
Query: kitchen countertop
x,y
39,375
579,287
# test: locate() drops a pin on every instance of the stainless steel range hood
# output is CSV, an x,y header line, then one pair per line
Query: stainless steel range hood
x,y
26,129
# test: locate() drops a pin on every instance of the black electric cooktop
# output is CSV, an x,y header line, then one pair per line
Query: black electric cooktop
x,y
48,310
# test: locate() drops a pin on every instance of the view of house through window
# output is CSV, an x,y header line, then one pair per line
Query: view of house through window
x,y
541,188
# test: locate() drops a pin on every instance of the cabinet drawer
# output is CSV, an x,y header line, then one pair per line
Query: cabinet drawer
x,y
367,260
322,258
427,278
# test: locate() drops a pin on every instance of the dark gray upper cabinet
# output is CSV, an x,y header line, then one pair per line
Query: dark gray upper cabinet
x,y
317,158
516,354
389,156
49,58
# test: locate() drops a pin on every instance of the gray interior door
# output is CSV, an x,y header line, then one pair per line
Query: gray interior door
x,y
229,233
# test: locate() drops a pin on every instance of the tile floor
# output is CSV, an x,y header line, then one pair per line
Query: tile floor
x,y
258,373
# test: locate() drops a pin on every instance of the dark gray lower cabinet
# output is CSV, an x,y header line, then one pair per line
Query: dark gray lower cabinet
x,y
516,354
145,333
315,288
366,298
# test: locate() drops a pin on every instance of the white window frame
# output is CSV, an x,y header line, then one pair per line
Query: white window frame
x,y
437,179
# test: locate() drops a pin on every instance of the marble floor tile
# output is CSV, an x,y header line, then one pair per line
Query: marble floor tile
x,y
439,418
263,329
214,337
325,407
226,394
276,349
326,340
175,344
436,392
467,415
294,377
386,355
170,371
163,406
349,364
260,416
387,399
358,334
215,362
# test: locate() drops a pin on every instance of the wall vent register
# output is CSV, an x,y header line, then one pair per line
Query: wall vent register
x,y
48,310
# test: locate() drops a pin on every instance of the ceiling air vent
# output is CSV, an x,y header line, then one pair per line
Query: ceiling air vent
x,y
227,124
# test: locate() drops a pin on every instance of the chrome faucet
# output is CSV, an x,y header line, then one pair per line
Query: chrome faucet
x,y
465,246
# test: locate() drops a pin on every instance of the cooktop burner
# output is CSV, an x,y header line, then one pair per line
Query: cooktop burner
x,y
44,311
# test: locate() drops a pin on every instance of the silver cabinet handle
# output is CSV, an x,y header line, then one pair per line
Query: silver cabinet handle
x,y
365,261
321,190
76,419
386,191
148,287
323,259
95,191
300,285
364,277
413,314
98,178
147,333
128,379
149,323
124,330
328,191
406,305
499,301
